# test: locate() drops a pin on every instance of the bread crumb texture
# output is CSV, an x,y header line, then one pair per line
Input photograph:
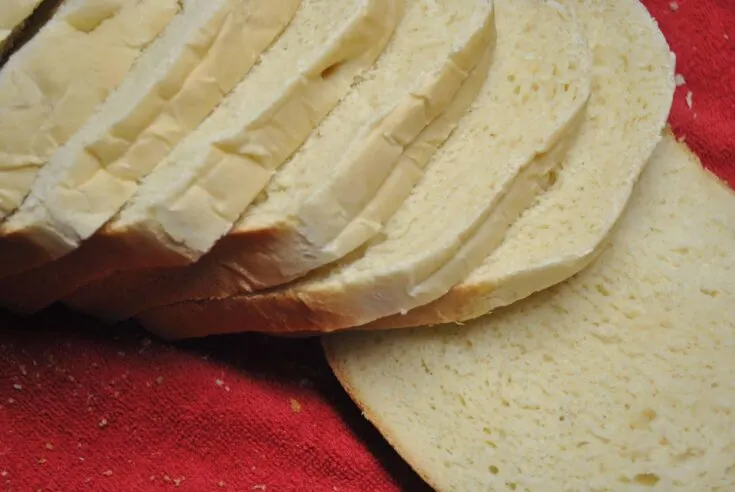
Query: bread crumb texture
x,y
622,378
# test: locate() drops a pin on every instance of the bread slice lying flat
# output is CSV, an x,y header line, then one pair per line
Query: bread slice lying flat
x,y
386,158
198,59
284,88
481,179
633,86
414,81
619,379
50,87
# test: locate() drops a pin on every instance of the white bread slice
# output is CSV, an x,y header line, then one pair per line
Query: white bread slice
x,y
229,267
184,74
622,378
50,87
413,82
633,86
478,182
282,85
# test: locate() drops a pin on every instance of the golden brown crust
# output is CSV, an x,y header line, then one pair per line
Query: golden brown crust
x,y
342,376
278,312
25,31
18,249
240,262
33,290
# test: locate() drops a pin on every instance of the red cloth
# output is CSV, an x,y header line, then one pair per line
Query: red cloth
x,y
83,407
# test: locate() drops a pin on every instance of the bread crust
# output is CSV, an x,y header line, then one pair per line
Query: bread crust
x,y
23,32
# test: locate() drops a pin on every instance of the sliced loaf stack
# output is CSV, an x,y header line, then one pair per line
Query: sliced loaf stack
x,y
184,74
52,85
351,166
411,84
100,174
310,166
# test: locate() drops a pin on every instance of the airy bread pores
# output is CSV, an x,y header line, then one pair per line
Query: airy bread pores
x,y
619,379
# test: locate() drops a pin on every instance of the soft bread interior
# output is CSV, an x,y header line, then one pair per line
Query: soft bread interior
x,y
51,86
227,268
421,46
541,76
619,379
185,73
562,232
194,198
235,264
415,58
271,92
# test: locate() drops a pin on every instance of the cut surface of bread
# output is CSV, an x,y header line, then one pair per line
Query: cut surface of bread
x,y
52,85
633,86
485,174
412,82
183,75
278,102
386,161
621,378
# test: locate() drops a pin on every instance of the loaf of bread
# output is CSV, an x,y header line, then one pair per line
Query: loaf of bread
x,y
482,178
410,84
633,87
618,379
249,258
177,81
279,86
50,87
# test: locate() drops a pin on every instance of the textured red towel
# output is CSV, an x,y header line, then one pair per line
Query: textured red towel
x,y
84,407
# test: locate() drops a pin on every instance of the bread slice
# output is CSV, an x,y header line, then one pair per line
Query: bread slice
x,y
282,85
51,86
239,262
198,59
484,175
413,82
562,233
619,379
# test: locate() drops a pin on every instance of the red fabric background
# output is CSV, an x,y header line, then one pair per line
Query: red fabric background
x,y
84,407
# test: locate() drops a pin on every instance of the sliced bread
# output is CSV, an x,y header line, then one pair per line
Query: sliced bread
x,y
622,378
485,174
52,85
412,83
239,262
280,89
198,59
633,86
